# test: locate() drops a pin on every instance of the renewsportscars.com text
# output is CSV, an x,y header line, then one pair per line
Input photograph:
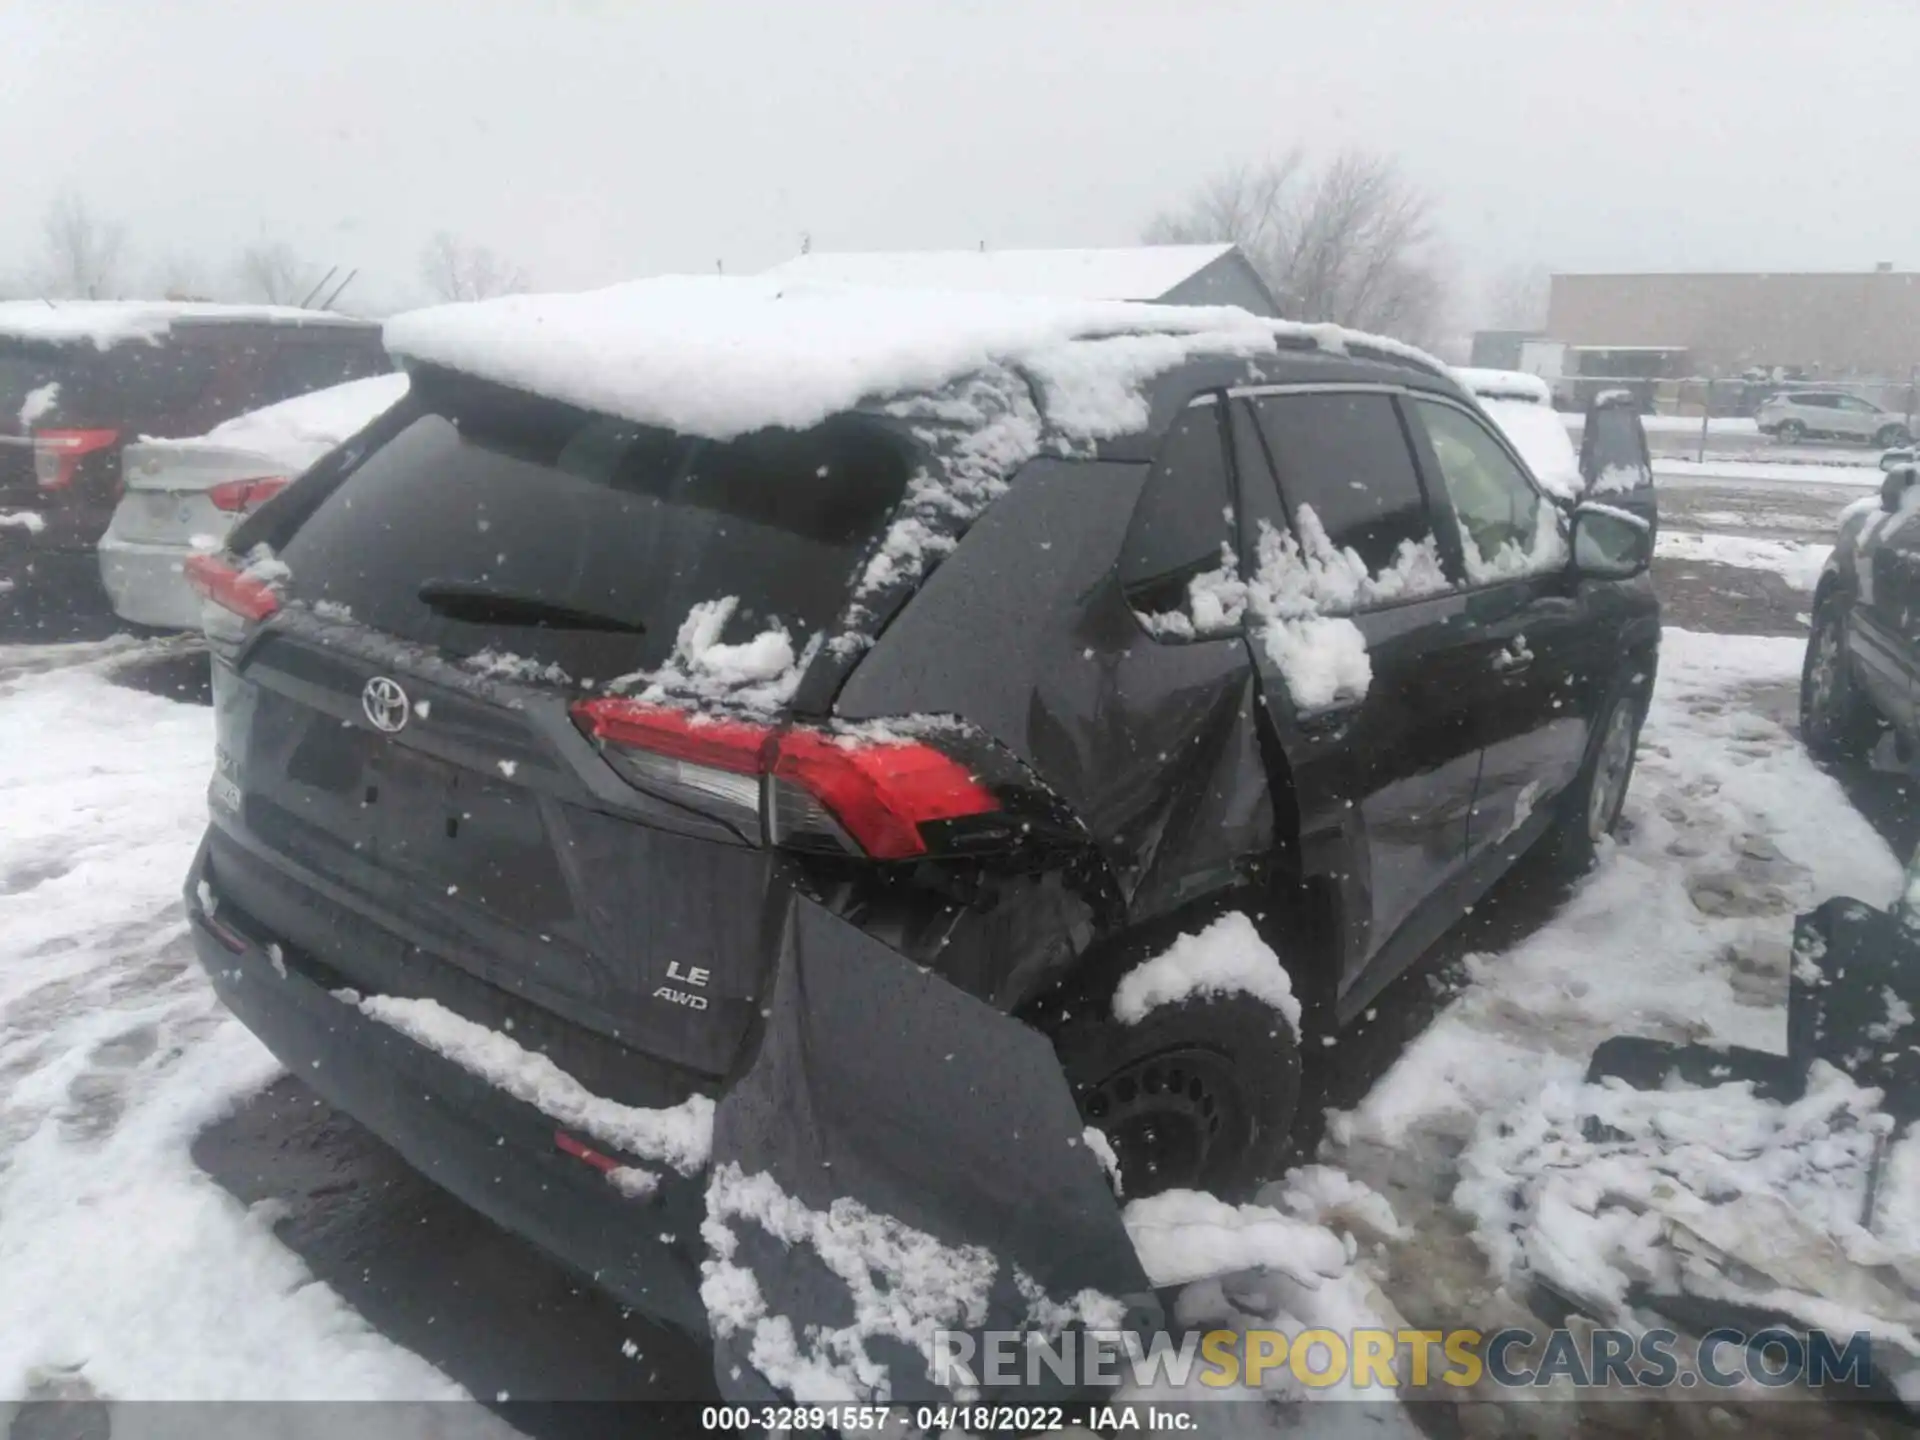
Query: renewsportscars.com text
x,y
1398,1359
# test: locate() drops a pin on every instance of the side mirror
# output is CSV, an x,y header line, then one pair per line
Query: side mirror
x,y
1610,544
1894,459
1899,480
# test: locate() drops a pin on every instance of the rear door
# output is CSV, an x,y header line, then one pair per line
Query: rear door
x,y
1538,664
1384,779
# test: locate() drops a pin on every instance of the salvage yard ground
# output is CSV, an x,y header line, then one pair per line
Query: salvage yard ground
x,y
179,1220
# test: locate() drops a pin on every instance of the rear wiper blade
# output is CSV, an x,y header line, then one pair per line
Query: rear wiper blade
x,y
484,605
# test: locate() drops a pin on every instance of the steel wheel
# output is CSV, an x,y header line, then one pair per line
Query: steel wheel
x,y
1167,1117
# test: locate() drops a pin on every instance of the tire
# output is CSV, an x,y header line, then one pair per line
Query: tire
x,y
1790,432
1892,437
1591,806
1200,1094
1837,720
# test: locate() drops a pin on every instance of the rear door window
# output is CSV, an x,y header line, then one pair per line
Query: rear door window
x,y
584,542
1343,458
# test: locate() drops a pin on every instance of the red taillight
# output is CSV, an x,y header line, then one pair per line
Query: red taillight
x,y
878,793
57,453
235,496
216,579
881,793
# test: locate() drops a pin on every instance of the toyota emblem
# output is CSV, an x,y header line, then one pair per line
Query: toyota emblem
x,y
386,704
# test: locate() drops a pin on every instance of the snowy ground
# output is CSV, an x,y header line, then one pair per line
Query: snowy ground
x,y
131,1273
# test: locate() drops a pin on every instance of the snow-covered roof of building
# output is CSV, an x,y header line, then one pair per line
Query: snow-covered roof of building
x,y
1128,272
297,432
111,322
721,356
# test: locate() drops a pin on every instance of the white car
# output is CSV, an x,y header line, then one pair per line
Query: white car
x,y
184,496
1831,414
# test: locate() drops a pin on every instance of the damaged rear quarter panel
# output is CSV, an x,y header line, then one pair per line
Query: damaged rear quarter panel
x,y
1025,633
897,1158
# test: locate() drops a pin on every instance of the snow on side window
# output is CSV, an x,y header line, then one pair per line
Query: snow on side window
x,y
1302,593
39,401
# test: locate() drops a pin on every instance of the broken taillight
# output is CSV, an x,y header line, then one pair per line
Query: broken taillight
x,y
57,453
238,496
218,581
804,786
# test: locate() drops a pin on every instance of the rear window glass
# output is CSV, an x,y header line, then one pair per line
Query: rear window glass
x,y
614,530
22,371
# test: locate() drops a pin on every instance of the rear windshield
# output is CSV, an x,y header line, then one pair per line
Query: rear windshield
x,y
24,369
615,530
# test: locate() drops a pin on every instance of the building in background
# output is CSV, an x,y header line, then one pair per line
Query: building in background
x,y
1165,274
1500,349
1830,326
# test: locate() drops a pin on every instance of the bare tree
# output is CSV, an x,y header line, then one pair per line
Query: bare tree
x,y
1350,241
1516,298
80,255
270,270
456,270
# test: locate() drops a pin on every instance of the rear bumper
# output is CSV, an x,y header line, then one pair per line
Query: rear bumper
x,y
491,1150
147,585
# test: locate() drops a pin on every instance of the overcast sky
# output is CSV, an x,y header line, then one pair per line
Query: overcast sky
x,y
602,139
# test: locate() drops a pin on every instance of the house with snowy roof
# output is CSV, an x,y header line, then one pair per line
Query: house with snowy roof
x,y
1163,274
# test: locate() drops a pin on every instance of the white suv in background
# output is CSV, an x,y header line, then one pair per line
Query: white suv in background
x,y
1833,414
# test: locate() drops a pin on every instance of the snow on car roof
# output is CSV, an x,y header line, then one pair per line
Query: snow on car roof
x,y
299,431
1131,272
1506,384
111,322
721,356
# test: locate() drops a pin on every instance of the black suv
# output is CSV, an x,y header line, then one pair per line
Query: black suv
x,y
537,930
80,380
1862,670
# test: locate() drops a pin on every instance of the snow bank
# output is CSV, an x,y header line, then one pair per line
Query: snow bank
x,y
126,1267
681,1136
902,1285
1226,958
1187,1235
106,323
297,432
1681,932
1712,1192
1797,563
720,356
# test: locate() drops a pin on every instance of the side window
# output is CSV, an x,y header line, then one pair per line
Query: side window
x,y
1857,405
1180,524
1506,528
1345,458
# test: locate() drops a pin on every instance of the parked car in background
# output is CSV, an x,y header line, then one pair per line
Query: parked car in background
x,y
1794,415
80,380
945,697
1862,671
184,496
